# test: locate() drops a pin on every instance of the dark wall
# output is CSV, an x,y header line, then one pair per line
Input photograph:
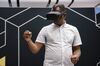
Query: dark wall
x,y
16,49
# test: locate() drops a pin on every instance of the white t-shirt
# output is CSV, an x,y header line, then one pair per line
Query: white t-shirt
x,y
58,43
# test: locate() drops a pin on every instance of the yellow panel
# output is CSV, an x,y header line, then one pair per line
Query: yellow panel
x,y
2,61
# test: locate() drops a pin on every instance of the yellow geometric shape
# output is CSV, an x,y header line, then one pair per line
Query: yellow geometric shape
x,y
2,61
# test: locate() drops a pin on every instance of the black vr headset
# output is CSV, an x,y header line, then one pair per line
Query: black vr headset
x,y
53,15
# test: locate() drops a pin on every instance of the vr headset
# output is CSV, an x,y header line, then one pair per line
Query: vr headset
x,y
53,15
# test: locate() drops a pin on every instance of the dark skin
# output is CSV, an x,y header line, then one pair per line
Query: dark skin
x,y
35,47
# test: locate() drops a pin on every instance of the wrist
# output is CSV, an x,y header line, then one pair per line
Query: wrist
x,y
76,55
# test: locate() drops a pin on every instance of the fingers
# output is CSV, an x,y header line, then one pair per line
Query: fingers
x,y
27,34
74,59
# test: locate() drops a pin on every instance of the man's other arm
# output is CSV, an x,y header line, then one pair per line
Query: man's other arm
x,y
34,47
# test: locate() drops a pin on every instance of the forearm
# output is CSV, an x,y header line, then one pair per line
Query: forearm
x,y
77,51
76,54
32,46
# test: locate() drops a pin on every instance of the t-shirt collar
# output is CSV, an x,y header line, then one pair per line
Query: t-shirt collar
x,y
63,25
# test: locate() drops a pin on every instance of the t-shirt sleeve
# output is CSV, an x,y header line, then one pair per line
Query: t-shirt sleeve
x,y
77,39
41,36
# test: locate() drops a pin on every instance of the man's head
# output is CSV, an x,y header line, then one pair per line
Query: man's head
x,y
59,8
58,13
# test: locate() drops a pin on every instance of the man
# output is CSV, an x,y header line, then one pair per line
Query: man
x,y
61,40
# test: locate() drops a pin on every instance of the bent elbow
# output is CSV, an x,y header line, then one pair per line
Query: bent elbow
x,y
34,52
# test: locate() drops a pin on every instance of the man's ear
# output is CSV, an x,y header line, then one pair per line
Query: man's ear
x,y
64,15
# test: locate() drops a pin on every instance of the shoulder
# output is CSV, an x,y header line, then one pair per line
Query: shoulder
x,y
69,26
47,26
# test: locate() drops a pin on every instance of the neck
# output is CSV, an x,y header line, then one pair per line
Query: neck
x,y
59,23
